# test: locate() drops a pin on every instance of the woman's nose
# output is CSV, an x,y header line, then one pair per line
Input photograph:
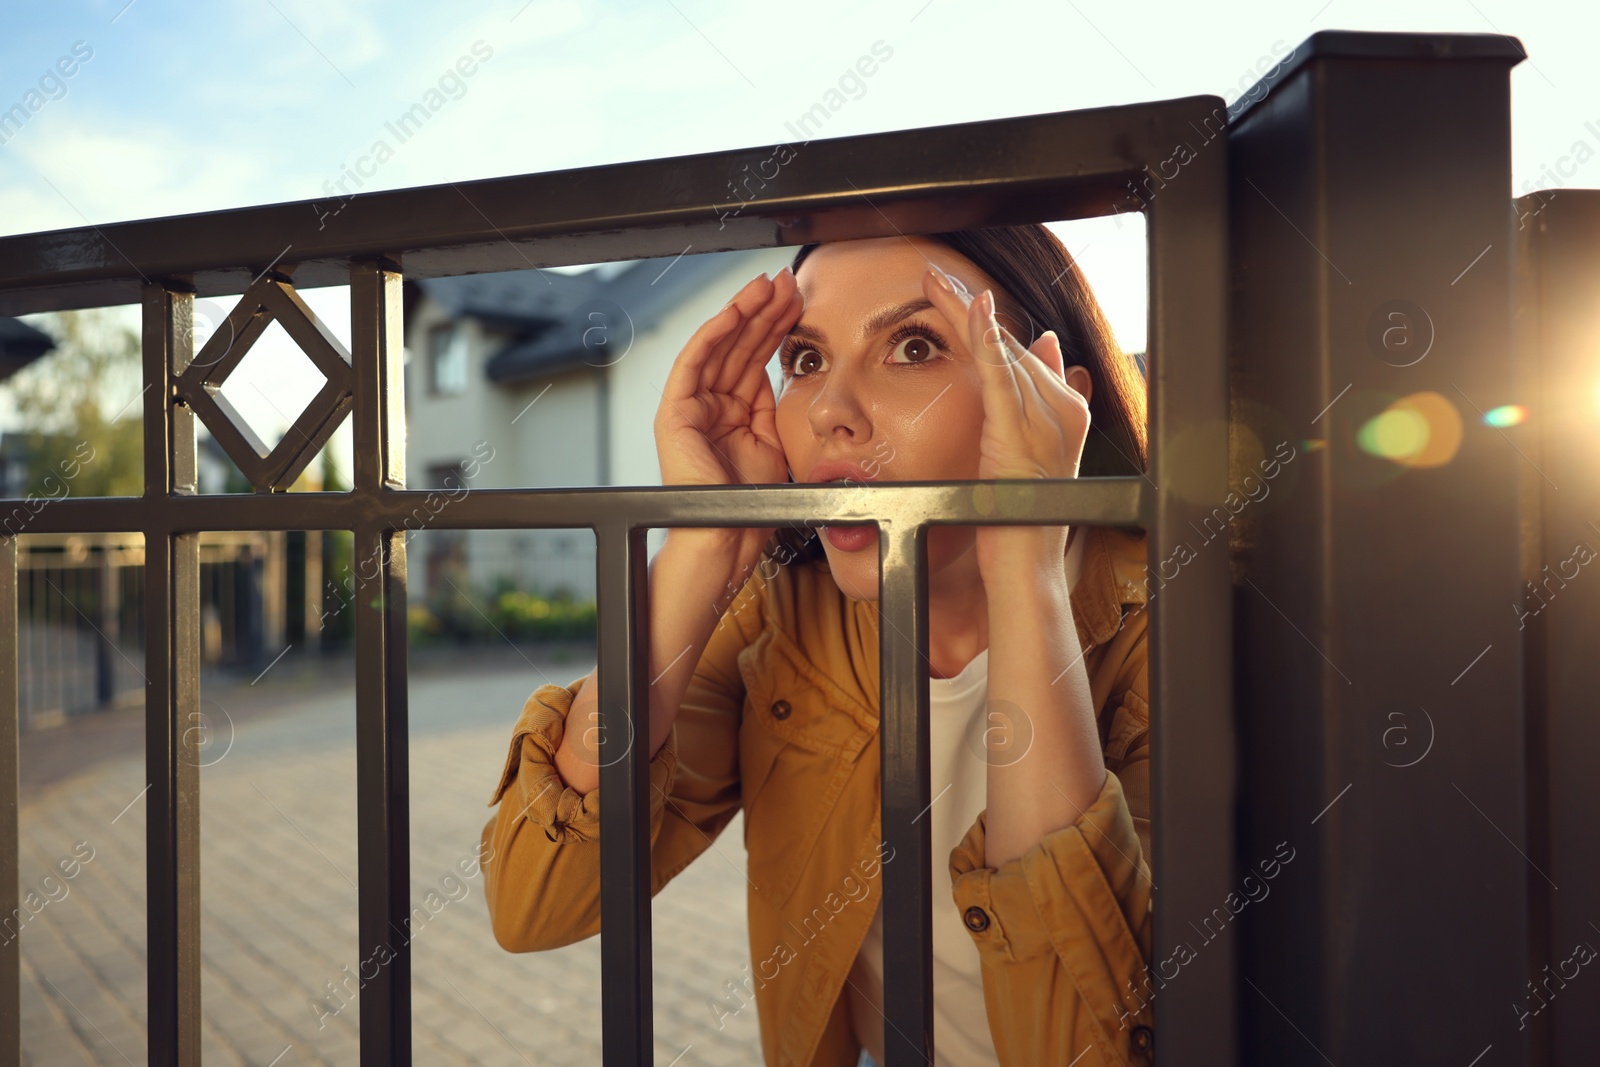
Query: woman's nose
x,y
837,407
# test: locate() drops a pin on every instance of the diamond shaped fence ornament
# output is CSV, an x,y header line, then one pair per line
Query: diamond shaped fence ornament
x,y
274,469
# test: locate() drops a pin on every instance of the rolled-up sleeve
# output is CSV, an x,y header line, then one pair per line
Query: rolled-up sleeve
x,y
1064,931
541,869
540,850
543,797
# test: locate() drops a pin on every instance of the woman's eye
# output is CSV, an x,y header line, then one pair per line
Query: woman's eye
x,y
910,345
913,348
803,362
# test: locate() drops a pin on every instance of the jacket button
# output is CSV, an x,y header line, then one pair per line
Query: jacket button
x,y
1143,1038
977,919
780,709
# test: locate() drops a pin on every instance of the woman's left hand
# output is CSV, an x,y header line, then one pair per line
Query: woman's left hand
x,y
1034,426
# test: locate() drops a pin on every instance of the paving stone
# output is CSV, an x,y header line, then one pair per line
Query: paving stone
x,y
279,916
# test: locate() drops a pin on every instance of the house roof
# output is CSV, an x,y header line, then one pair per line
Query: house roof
x,y
561,321
20,345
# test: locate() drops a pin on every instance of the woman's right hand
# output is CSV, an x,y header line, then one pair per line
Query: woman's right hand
x,y
717,423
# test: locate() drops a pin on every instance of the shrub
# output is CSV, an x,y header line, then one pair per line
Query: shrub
x,y
521,614
461,617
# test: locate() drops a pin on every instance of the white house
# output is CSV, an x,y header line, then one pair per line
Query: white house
x,y
544,378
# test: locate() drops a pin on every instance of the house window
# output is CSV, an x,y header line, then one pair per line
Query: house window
x,y
449,477
447,359
444,553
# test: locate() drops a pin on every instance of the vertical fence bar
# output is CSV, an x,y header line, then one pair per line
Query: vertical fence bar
x,y
1558,372
1192,754
383,796
51,634
10,784
907,783
172,691
623,702
1380,671
106,651
377,338
32,699
383,789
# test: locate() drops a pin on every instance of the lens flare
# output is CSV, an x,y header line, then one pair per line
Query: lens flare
x,y
1395,434
1419,430
1506,415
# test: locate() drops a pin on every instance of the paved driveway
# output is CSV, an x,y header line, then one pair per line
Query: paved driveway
x,y
278,867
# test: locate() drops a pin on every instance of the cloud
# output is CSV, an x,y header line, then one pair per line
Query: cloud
x,y
111,173
349,33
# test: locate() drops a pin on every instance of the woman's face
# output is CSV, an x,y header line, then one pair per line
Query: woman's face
x,y
877,377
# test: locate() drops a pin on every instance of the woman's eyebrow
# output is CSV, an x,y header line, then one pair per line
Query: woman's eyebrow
x,y
877,322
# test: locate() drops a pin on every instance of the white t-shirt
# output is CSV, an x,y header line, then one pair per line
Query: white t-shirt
x,y
961,1035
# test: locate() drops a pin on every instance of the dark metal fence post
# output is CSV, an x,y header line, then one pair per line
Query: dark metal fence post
x,y
1558,603
1379,669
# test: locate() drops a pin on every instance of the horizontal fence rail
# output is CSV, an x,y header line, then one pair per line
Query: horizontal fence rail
x,y
1037,168
1098,501
1075,164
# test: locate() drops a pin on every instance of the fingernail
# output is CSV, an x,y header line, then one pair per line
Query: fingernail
x,y
954,285
941,280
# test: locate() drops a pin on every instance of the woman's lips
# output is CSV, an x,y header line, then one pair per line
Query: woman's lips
x,y
851,538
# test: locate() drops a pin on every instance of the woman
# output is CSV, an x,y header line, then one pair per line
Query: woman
x,y
764,655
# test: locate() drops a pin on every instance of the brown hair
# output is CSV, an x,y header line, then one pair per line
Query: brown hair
x,y
1040,288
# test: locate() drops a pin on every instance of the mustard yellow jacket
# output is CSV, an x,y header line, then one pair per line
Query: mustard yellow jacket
x,y
781,717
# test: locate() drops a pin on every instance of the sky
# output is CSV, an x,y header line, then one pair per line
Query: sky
x,y
178,107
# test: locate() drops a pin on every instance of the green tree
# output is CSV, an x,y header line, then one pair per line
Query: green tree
x,y
338,555
79,408
331,481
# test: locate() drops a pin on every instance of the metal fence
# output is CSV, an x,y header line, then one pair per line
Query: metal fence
x,y
78,627
80,617
1367,169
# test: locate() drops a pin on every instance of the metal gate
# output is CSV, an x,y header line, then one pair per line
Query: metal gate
x,y
1358,179
80,610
